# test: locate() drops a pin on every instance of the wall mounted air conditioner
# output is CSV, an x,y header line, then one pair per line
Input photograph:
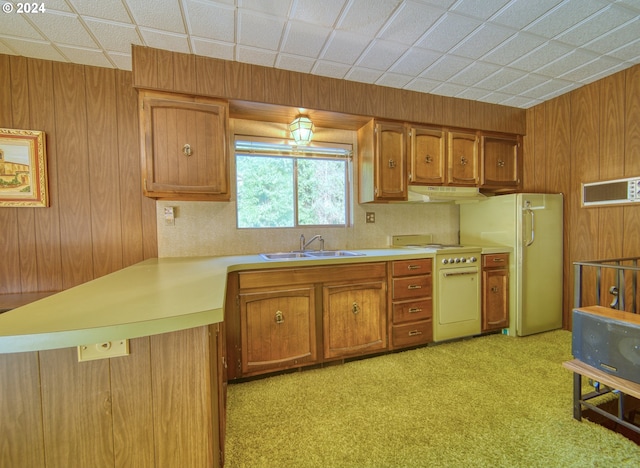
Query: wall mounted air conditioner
x,y
611,192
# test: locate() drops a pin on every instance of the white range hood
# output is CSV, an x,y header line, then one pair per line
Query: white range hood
x,y
443,194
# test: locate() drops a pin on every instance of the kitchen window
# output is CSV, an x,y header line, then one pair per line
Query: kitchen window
x,y
280,185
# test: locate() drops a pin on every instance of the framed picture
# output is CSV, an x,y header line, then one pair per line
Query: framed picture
x,y
23,168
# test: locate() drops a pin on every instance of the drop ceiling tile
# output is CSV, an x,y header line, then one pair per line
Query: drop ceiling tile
x,y
447,32
215,49
513,48
474,73
479,9
596,67
481,41
304,39
63,28
209,21
445,68
35,49
256,56
394,80
165,40
444,4
363,75
501,78
381,55
629,53
4,49
524,84
552,87
449,89
112,10
423,85
115,37
415,61
564,16
596,25
163,15
58,5
366,16
324,13
122,61
330,69
294,63
273,7
345,47
541,56
616,38
17,26
496,97
410,22
259,30
473,94
519,13
521,102
93,57
566,63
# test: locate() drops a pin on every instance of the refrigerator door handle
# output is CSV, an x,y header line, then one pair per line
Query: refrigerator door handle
x,y
533,231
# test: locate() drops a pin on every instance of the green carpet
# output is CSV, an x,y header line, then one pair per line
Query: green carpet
x,y
493,401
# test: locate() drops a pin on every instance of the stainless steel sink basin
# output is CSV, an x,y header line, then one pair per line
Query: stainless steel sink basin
x,y
335,253
284,255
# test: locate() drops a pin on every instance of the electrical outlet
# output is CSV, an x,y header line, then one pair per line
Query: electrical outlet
x,y
371,217
108,349
169,216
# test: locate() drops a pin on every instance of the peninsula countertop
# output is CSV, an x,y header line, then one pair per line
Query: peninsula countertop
x,y
158,295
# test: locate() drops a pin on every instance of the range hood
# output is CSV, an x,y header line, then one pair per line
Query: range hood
x,y
443,194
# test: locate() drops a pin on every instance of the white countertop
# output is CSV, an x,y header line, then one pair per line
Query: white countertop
x,y
155,296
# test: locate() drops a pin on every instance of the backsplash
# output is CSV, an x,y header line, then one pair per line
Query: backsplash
x,y
209,228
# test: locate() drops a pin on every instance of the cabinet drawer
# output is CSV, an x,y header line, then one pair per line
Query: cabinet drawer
x,y
412,311
495,260
412,334
411,287
411,267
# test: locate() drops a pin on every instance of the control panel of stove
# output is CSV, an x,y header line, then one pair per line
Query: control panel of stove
x,y
454,260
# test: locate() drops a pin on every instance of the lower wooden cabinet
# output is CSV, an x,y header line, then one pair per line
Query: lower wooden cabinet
x,y
495,291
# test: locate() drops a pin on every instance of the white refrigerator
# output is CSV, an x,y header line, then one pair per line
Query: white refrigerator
x,y
531,225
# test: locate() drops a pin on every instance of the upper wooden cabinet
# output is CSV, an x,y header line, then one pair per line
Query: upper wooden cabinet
x,y
464,158
501,161
382,149
184,147
427,157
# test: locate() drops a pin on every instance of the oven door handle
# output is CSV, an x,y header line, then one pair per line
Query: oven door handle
x,y
459,273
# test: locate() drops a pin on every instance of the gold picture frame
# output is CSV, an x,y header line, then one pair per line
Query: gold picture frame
x,y
23,168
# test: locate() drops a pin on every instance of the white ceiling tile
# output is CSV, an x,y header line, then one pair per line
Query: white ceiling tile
x,y
294,63
215,49
549,87
522,102
448,89
473,94
122,61
616,38
206,20
367,16
474,73
34,49
497,98
444,4
394,80
115,37
566,63
330,69
482,40
17,26
256,56
324,13
93,57
482,9
410,22
415,61
258,30
541,56
165,40
423,85
564,16
381,55
345,47
273,7
63,28
448,31
363,75
112,10
586,72
629,53
445,68
513,48
58,5
596,25
157,14
4,49
501,78
559,91
304,39
519,13
525,83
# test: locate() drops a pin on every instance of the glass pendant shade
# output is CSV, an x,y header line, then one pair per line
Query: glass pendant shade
x,y
301,130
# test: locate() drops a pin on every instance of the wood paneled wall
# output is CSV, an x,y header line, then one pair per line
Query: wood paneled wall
x,y
98,221
592,133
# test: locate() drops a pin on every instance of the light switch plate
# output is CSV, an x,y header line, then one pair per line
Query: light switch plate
x,y
108,349
371,217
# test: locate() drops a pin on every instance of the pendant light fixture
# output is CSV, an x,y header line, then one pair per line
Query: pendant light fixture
x,y
301,130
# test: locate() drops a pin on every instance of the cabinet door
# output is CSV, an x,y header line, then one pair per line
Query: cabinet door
x,y
501,161
390,151
427,156
495,299
354,319
278,329
184,147
463,158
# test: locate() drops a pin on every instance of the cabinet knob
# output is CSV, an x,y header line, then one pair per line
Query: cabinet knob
x,y
428,159
355,308
495,289
186,150
279,317
463,161
500,163
392,163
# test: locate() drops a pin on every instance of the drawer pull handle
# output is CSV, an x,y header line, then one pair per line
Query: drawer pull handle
x,y
355,308
414,286
498,260
415,333
495,289
186,150
279,317
414,267
414,310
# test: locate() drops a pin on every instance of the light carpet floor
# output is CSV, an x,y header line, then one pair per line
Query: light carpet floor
x,y
492,401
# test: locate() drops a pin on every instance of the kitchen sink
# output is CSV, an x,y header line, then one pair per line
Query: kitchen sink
x,y
284,255
335,253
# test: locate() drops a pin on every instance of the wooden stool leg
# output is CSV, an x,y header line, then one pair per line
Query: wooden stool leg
x,y
577,396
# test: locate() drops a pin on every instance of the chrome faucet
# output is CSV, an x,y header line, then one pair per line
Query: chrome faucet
x,y
304,245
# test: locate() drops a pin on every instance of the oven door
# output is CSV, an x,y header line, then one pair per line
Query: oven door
x,y
458,303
